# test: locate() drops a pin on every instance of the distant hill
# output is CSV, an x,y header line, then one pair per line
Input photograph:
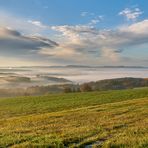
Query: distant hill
x,y
54,79
118,83
85,66
67,87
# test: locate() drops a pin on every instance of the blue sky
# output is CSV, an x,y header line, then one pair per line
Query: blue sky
x,y
85,32
60,12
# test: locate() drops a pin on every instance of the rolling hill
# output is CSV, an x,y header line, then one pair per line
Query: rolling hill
x,y
99,119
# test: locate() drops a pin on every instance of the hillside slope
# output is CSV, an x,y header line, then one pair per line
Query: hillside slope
x,y
106,119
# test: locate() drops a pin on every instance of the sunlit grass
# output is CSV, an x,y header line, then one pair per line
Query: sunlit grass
x,y
105,119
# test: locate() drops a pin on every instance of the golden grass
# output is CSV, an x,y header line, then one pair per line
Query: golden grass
x,y
118,124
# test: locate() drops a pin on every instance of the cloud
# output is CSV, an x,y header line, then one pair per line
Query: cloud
x,y
37,23
131,14
83,14
108,44
138,28
21,24
86,40
14,43
96,20
85,44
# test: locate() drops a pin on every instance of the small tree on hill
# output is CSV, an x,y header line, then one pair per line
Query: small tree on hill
x,y
85,88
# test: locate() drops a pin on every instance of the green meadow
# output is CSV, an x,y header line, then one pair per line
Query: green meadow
x,y
108,119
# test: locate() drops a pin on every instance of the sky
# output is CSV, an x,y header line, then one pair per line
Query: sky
x,y
73,32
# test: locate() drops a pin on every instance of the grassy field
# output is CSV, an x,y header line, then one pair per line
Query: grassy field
x,y
94,119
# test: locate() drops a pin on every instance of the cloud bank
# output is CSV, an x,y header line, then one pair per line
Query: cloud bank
x,y
104,43
73,44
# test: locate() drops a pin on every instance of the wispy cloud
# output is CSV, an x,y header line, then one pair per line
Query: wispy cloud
x,y
38,24
84,14
22,24
131,14
96,20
